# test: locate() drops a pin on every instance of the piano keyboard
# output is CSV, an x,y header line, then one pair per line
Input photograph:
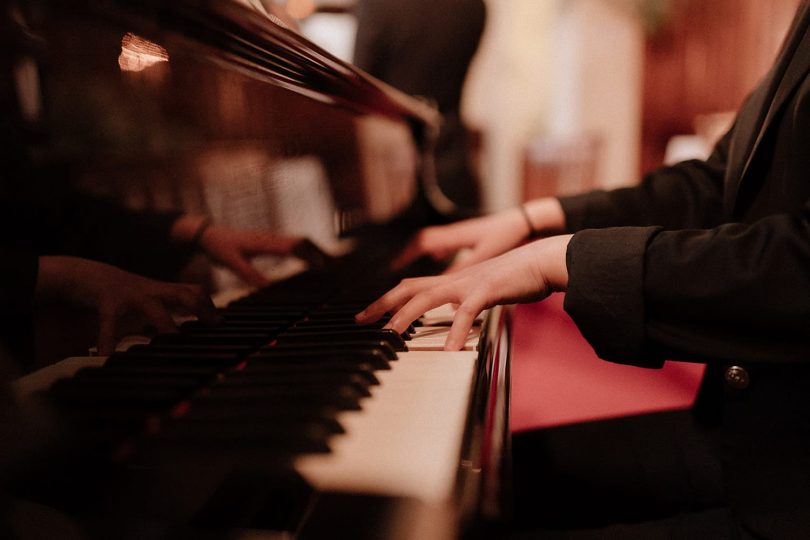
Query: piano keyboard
x,y
291,390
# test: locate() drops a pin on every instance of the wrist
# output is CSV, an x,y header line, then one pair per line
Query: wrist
x,y
545,216
532,231
550,261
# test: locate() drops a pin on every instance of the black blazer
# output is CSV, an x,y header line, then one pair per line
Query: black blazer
x,y
709,261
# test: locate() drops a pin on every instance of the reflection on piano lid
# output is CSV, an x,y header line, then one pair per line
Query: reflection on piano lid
x,y
256,427
209,106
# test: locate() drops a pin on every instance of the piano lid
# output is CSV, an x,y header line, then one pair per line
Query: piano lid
x,y
210,106
262,47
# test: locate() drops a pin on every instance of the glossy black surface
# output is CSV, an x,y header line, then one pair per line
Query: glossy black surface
x,y
212,107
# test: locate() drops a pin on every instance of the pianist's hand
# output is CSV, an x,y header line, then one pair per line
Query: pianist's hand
x,y
234,248
485,236
525,274
120,296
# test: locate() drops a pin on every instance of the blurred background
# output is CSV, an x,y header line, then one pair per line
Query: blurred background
x,y
565,95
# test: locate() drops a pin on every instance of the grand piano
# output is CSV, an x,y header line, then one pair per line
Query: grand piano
x,y
288,421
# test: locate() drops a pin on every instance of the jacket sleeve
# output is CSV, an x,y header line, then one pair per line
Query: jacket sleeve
x,y
686,195
734,292
656,272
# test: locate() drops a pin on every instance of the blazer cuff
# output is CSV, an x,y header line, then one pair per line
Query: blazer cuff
x,y
575,208
605,295
578,213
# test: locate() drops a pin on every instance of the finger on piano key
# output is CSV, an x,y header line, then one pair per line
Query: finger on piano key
x,y
434,327
443,316
433,338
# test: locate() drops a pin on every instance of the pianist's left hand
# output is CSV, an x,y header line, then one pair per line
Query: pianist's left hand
x,y
234,248
485,236
525,274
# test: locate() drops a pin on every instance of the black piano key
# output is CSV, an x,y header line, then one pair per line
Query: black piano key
x,y
379,348
212,338
294,381
156,349
324,416
343,307
262,298
146,396
112,377
282,314
311,357
247,305
341,324
282,366
212,361
340,314
201,407
283,435
350,393
355,334
108,426
231,326
342,397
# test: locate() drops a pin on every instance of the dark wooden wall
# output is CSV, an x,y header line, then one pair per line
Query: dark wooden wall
x,y
706,59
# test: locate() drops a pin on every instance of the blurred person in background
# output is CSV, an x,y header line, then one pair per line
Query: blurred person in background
x,y
424,48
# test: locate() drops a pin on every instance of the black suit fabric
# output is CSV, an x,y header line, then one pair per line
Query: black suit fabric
x,y
424,48
709,261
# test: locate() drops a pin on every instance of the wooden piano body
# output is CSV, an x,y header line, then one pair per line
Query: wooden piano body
x,y
208,106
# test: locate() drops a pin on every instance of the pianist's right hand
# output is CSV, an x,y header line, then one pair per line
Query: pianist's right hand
x,y
525,274
485,237
120,297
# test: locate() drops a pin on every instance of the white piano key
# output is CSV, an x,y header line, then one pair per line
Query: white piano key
x,y
432,338
443,316
406,441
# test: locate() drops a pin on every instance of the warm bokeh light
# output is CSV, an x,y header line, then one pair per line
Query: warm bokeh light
x,y
300,9
138,53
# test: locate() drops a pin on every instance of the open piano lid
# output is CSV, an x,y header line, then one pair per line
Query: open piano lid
x,y
192,105
264,48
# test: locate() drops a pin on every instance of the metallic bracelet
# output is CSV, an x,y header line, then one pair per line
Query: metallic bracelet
x,y
533,233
